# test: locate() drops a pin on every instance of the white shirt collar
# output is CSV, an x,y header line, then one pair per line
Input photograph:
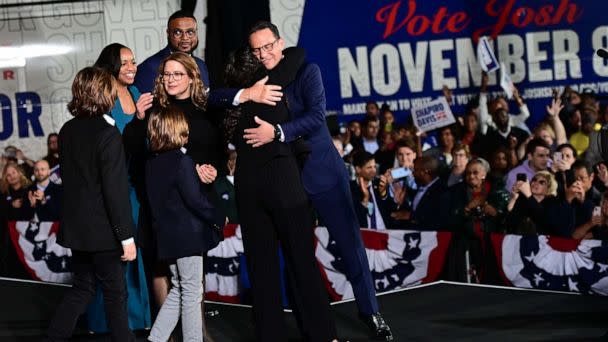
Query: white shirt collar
x,y
109,120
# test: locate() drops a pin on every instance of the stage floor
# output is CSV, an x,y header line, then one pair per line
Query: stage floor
x,y
441,311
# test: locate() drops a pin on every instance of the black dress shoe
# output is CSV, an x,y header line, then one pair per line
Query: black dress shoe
x,y
378,326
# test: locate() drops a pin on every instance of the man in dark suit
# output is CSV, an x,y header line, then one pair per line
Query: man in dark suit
x,y
96,220
371,199
44,195
323,175
182,35
428,205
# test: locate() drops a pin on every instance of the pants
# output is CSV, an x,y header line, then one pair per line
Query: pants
x,y
184,300
335,208
273,207
109,270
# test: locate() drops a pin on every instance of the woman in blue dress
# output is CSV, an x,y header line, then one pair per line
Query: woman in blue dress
x,y
120,62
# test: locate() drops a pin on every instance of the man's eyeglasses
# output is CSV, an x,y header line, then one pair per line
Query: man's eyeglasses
x,y
177,33
265,48
166,77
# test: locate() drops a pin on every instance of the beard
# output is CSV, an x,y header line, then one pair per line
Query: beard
x,y
194,47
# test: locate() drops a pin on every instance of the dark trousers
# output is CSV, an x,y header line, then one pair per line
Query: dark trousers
x,y
273,208
88,267
335,208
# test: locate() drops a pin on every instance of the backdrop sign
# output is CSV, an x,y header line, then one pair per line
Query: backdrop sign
x,y
43,45
402,52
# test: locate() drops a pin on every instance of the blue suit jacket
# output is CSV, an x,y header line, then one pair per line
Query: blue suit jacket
x,y
182,217
148,71
306,98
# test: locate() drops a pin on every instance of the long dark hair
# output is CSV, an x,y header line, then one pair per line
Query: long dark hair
x,y
240,72
109,58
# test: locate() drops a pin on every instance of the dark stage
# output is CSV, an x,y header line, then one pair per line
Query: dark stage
x,y
440,311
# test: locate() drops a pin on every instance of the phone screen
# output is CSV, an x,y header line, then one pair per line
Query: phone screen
x,y
400,172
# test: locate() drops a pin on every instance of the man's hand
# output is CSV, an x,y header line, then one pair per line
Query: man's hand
x,y
261,135
30,196
129,252
206,173
399,193
143,104
363,185
261,92
17,203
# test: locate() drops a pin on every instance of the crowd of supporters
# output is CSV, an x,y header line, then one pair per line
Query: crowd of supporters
x,y
488,172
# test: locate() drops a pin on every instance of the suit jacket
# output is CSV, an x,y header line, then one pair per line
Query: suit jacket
x,y
283,75
385,205
306,98
431,212
182,217
51,210
148,71
96,212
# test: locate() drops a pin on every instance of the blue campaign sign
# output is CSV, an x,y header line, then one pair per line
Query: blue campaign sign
x,y
403,52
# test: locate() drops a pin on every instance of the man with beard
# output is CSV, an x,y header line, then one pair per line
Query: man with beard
x,y
44,195
182,36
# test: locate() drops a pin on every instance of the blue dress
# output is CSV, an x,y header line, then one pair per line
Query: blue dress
x,y
138,304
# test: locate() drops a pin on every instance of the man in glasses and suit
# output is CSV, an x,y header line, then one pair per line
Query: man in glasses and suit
x,y
323,175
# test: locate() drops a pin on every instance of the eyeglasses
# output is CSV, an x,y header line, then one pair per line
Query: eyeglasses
x,y
539,181
177,33
177,76
265,48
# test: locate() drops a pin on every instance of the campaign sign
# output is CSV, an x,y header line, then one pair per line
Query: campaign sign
x,y
485,55
402,52
434,114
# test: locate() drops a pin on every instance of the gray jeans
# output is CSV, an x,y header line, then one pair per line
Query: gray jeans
x,y
184,300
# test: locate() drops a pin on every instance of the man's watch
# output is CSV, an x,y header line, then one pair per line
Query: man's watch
x,y
277,133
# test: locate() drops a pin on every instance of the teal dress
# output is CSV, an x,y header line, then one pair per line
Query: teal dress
x,y
138,304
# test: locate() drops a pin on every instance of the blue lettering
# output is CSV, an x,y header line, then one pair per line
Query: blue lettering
x,y
23,116
7,117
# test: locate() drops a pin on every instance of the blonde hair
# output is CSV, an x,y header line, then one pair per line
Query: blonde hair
x,y
551,182
544,126
93,93
4,186
167,129
198,92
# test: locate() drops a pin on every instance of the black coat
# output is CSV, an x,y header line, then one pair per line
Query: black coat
x,y
96,212
182,216
432,210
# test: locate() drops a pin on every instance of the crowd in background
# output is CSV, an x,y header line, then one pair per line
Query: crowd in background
x,y
488,172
